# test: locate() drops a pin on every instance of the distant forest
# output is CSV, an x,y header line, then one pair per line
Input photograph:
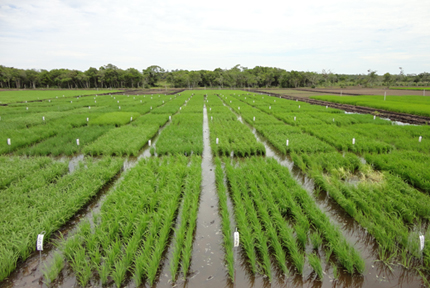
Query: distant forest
x,y
110,76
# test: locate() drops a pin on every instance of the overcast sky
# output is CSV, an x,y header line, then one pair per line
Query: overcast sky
x,y
341,35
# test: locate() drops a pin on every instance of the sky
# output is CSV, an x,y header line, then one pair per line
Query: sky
x,y
343,36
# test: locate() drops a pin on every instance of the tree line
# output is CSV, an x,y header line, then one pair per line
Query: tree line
x,y
110,76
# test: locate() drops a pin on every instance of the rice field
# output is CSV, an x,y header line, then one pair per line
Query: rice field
x,y
418,105
318,197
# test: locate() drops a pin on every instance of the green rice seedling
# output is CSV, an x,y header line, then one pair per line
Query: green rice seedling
x,y
50,273
118,272
225,219
315,263
104,272
316,240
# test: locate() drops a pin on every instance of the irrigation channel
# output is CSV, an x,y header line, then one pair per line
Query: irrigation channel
x,y
207,266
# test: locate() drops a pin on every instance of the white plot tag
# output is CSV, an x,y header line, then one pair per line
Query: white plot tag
x,y
238,108
43,118
326,107
77,142
253,118
131,119
288,142
170,118
88,119
39,243
89,107
421,242
217,141
270,107
149,142
299,106
8,141
294,118
420,138
353,141
236,239
374,117
119,107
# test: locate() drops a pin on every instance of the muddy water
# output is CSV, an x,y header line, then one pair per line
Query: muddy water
x,y
207,267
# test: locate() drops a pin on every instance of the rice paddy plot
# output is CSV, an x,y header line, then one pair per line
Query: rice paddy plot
x,y
12,139
418,105
65,142
125,140
344,139
128,243
272,210
184,135
402,137
14,168
228,135
412,166
33,95
44,201
115,118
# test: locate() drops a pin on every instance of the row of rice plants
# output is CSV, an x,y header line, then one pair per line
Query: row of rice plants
x,y
44,201
381,202
185,132
14,168
65,142
135,223
418,105
227,134
269,216
184,235
412,166
225,218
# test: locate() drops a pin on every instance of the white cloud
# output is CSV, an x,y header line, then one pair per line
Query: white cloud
x,y
345,36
